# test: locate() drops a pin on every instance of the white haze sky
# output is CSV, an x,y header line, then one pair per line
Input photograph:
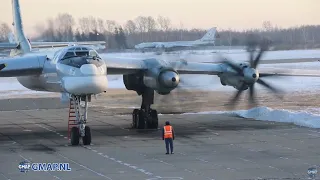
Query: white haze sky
x,y
224,14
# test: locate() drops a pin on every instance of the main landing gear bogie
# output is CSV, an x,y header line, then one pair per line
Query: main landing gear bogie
x,y
145,120
145,117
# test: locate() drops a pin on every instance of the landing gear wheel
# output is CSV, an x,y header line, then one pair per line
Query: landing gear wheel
x,y
154,121
135,116
86,139
140,120
75,136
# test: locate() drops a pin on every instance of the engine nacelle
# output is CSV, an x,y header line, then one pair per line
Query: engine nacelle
x,y
134,82
233,81
162,80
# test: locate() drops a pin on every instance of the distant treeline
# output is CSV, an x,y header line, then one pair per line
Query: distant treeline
x,y
146,29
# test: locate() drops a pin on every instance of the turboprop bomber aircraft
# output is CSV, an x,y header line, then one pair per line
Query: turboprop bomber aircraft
x,y
78,72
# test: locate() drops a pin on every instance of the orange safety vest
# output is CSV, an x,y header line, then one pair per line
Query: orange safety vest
x,y
167,131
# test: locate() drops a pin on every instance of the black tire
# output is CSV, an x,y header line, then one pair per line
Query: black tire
x,y
86,139
155,121
135,116
75,136
141,121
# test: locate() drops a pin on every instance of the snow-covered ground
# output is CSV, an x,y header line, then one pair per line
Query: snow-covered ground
x,y
301,118
305,117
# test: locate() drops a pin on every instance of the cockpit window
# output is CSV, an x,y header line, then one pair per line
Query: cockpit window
x,y
82,53
68,54
79,61
80,56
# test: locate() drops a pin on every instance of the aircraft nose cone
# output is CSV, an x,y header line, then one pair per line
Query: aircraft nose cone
x,y
91,69
85,84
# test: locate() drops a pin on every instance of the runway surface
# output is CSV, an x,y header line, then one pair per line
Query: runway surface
x,y
206,146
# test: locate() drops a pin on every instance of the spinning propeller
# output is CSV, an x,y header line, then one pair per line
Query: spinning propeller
x,y
249,75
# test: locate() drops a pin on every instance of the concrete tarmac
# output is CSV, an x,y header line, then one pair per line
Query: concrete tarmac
x,y
206,147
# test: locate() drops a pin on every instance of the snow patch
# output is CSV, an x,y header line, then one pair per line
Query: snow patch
x,y
300,118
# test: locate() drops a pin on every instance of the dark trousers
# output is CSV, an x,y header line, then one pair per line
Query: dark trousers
x,y
169,141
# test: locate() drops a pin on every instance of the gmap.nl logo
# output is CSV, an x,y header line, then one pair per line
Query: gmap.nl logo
x,y
25,166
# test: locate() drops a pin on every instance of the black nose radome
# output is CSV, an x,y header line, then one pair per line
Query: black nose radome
x,y
173,79
254,75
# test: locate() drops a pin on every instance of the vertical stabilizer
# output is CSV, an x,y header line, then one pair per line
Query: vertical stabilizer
x,y
210,35
20,38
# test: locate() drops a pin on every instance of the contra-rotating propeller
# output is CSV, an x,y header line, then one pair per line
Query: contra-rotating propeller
x,y
250,75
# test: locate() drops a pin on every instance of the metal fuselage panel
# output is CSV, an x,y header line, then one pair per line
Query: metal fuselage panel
x,y
47,81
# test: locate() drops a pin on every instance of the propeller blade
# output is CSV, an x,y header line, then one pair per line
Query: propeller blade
x,y
268,86
258,58
233,66
264,45
2,66
234,100
252,95
224,60
268,75
251,58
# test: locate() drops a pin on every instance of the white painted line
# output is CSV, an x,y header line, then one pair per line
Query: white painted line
x,y
81,165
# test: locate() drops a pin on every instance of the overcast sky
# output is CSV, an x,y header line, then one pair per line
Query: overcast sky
x,y
224,14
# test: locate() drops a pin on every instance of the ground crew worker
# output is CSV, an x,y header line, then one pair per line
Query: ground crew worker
x,y
168,136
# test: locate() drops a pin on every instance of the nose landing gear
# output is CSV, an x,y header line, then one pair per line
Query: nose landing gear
x,y
77,127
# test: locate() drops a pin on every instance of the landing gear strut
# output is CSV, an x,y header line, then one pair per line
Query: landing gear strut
x,y
145,117
80,130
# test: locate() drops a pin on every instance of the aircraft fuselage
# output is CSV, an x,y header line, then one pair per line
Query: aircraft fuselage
x,y
75,74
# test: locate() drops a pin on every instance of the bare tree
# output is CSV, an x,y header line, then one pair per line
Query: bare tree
x,y
267,25
164,23
101,25
84,25
4,31
65,24
130,27
111,25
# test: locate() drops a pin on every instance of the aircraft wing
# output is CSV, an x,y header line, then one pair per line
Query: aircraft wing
x,y
21,66
125,65
63,44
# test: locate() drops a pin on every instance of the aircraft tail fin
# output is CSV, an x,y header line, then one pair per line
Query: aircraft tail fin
x,y
210,35
20,38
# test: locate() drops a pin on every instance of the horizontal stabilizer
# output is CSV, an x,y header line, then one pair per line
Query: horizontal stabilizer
x,y
63,44
8,45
